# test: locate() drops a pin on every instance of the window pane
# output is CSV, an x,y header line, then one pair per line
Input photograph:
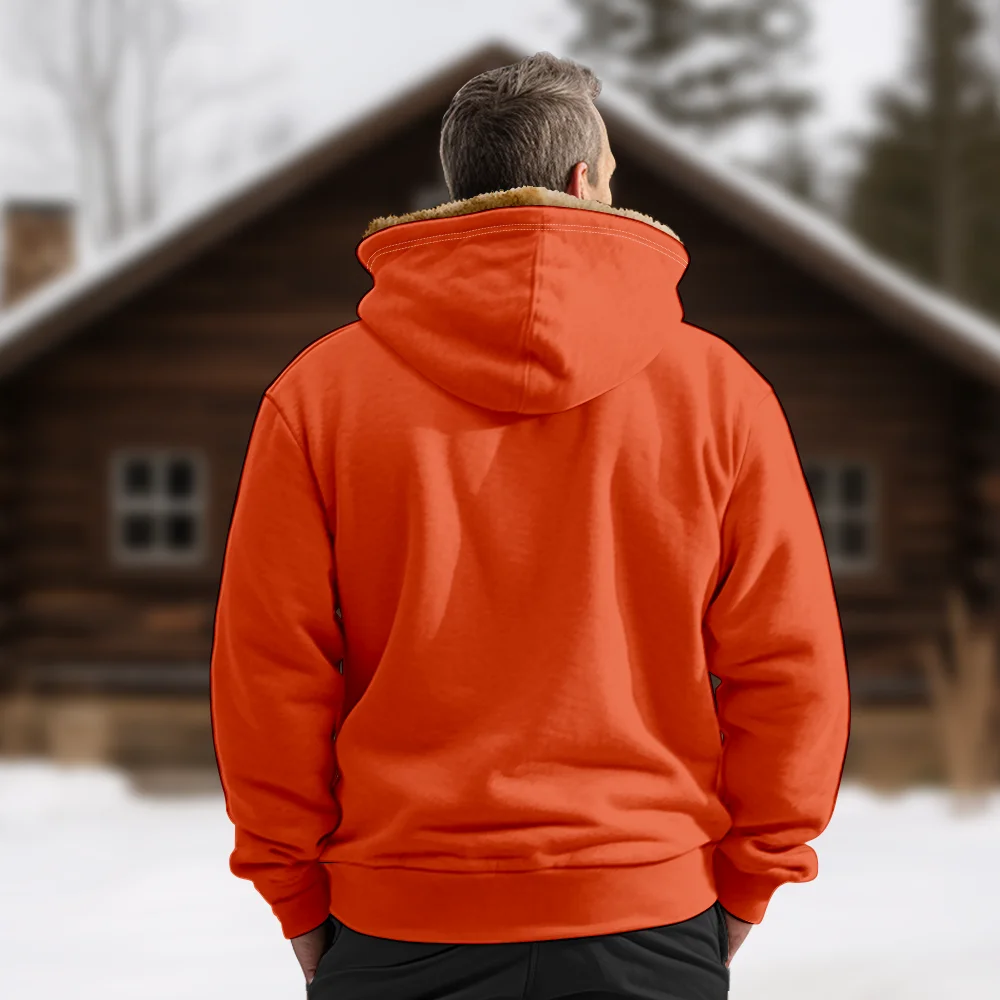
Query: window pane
x,y
137,531
180,477
816,478
853,486
179,531
138,476
853,538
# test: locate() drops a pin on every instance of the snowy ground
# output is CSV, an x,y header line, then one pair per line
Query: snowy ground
x,y
106,894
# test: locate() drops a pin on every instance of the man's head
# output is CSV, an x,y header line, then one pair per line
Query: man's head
x,y
530,123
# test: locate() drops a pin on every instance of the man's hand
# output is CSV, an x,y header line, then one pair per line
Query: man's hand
x,y
309,948
738,931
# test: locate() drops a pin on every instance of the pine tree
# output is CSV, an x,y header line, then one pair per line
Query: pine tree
x,y
927,193
702,64
791,163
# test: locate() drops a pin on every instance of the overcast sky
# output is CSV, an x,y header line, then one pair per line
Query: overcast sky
x,y
317,62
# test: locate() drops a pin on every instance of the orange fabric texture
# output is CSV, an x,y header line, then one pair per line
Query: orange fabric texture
x,y
547,508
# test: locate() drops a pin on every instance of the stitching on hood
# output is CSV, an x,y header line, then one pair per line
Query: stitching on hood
x,y
528,195
425,240
527,333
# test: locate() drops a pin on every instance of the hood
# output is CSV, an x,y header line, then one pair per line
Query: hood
x,y
527,300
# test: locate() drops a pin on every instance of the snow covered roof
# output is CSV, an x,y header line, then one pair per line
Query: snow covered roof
x,y
820,245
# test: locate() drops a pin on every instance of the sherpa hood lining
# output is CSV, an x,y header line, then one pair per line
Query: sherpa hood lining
x,y
509,198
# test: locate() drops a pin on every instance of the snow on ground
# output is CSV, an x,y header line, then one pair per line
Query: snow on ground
x,y
108,894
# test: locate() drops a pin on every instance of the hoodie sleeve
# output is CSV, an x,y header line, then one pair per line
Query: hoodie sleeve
x,y
276,691
773,638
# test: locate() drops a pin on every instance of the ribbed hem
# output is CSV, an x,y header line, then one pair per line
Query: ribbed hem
x,y
413,904
304,912
743,895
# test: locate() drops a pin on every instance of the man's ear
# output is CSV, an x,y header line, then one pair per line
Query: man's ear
x,y
575,185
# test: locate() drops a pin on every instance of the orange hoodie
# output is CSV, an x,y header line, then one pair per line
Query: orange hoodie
x,y
547,509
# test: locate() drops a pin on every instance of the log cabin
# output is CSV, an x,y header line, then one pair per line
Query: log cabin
x,y
128,388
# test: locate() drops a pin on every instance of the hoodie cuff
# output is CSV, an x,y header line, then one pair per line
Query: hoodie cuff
x,y
305,911
744,895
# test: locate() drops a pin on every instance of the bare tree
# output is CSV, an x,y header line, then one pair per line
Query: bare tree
x,y
158,30
107,63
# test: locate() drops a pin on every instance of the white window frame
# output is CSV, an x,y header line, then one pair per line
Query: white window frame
x,y
157,503
833,512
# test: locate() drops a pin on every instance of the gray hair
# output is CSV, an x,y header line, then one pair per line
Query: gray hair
x,y
527,123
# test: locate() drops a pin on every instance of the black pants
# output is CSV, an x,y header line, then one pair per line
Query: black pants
x,y
682,961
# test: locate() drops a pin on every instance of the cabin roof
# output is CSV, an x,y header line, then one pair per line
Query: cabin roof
x,y
821,246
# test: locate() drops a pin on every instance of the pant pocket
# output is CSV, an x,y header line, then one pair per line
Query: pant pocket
x,y
334,928
720,916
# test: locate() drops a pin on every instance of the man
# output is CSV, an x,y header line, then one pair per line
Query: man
x,y
491,544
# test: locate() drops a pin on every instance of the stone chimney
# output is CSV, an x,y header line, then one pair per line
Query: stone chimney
x,y
38,245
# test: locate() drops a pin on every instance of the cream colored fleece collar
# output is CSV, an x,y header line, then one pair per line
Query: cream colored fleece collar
x,y
506,199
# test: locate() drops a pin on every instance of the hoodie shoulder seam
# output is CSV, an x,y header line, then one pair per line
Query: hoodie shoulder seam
x,y
300,447
736,477
746,444
292,433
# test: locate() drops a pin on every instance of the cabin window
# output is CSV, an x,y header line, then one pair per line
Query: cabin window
x,y
157,506
845,494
